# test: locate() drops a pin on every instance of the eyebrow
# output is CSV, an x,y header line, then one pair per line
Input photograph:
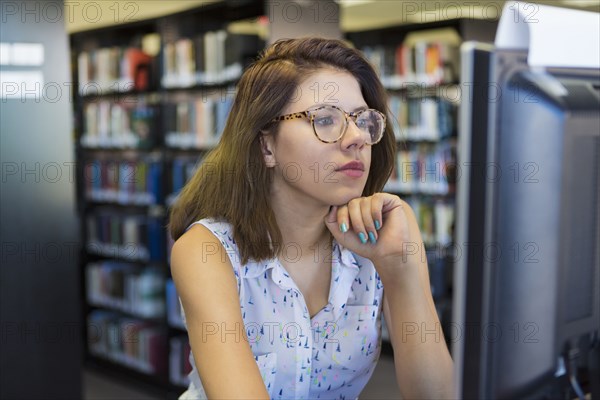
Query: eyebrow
x,y
360,108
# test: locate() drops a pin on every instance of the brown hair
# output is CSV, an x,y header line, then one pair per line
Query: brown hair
x,y
233,183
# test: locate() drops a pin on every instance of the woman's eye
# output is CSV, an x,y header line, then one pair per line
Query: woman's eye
x,y
324,121
362,123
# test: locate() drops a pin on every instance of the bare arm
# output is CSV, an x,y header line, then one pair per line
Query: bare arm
x,y
423,364
208,290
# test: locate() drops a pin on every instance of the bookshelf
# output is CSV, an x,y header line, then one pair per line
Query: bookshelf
x,y
419,66
150,98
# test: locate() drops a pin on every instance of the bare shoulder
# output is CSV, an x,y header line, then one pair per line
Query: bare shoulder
x,y
207,287
195,242
202,271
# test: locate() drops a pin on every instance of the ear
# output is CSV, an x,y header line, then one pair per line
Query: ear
x,y
267,147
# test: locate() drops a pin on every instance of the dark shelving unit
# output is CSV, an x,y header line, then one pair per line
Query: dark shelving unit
x,y
187,24
389,38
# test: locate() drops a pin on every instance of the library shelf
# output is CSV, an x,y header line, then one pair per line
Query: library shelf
x,y
126,80
419,66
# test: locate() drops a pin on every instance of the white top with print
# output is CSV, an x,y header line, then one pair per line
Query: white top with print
x,y
329,356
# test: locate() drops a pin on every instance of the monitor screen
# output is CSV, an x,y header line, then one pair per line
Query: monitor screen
x,y
528,223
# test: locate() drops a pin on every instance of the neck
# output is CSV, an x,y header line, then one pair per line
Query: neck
x,y
303,231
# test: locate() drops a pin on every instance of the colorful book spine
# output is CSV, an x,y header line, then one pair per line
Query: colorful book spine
x,y
435,218
179,361
174,315
424,169
126,288
113,69
182,170
198,122
128,237
422,63
210,58
422,118
134,343
114,124
137,182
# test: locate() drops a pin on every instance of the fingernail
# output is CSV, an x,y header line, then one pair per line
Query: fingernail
x,y
362,237
343,227
377,224
372,237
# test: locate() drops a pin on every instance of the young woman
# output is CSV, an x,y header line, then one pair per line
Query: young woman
x,y
285,242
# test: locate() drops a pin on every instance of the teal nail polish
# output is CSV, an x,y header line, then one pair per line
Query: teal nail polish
x,y
343,227
372,237
362,237
377,225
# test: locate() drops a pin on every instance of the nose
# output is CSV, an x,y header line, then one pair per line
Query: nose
x,y
353,136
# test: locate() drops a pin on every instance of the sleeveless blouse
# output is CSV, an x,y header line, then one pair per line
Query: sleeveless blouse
x,y
329,356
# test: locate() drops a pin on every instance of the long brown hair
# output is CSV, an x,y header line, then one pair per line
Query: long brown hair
x,y
233,183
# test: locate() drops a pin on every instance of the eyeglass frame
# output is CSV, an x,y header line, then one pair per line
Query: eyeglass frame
x,y
354,115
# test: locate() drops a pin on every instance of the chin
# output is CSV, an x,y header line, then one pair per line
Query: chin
x,y
345,196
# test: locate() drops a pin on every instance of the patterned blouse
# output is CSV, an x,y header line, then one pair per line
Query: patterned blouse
x,y
329,356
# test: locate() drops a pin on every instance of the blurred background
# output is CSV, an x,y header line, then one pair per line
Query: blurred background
x,y
107,110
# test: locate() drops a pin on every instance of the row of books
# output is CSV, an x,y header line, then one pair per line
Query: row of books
x,y
179,356
209,58
170,243
421,168
182,170
418,119
197,122
424,169
179,360
134,343
435,218
174,315
113,69
110,124
124,181
426,63
126,287
128,237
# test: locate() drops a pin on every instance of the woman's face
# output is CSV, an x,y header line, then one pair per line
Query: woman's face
x,y
305,165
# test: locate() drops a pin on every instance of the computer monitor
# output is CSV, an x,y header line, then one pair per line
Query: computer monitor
x,y
527,272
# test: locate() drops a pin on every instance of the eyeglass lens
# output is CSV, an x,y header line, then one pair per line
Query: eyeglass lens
x,y
330,122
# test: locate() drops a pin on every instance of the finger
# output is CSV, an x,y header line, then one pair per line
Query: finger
x,y
367,218
343,219
356,220
332,222
377,202
332,215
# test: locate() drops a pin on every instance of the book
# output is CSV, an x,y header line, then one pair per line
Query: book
x,y
420,64
113,69
174,315
137,68
179,360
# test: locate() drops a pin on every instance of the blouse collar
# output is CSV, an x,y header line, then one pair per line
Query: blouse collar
x,y
345,267
340,256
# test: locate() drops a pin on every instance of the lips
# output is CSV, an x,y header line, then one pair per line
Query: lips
x,y
352,165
